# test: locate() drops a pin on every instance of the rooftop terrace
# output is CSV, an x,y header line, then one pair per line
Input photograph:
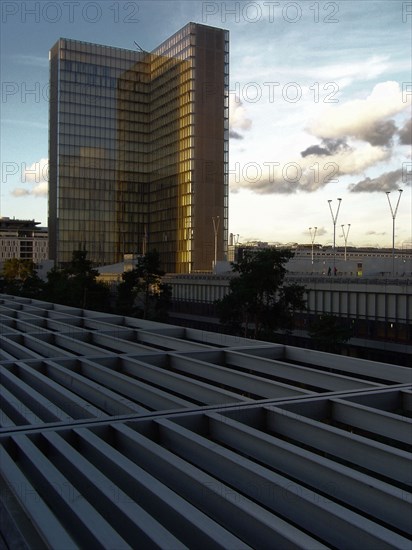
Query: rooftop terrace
x,y
117,432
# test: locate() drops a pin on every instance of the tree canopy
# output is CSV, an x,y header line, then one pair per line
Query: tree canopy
x,y
258,301
141,293
20,278
329,333
76,285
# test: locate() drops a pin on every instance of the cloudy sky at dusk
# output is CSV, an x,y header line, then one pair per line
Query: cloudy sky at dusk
x,y
320,105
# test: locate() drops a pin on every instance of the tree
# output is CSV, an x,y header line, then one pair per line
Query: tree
x,y
142,293
82,281
258,301
18,269
20,278
76,285
57,287
329,333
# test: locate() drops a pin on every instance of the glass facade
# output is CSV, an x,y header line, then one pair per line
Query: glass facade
x,y
138,149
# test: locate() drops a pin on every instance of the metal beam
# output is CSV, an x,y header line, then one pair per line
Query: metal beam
x,y
22,498
322,517
323,475
32,400
243,382
382,423
145,395
99,396
347,365
178,515
54,488
356,450
196,390
296,373
246,519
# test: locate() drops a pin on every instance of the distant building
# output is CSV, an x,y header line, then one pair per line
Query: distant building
x,y
350,261
22,239
376,305
139,150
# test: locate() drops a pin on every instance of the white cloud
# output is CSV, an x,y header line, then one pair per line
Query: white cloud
x,y
349,72
306,174
364,119
20,192
37,175
357,160
41,190
36,172
238,119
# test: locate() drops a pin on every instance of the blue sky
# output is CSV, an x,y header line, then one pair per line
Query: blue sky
x,y
320,107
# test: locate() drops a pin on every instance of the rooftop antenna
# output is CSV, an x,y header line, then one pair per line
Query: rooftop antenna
x,y
137,46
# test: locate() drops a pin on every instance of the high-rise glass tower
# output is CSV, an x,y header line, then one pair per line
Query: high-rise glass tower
x,y
138,149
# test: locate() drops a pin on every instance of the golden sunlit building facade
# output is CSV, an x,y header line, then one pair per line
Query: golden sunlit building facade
x,y
139,150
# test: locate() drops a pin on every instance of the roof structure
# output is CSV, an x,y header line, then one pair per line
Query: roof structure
x,y
122,433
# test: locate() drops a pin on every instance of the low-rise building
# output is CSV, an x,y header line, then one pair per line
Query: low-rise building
x,y
24,240
377,309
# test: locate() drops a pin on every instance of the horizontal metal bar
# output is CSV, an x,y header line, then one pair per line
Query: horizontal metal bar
x,y
68,401
5,356
357,450
77,346
6,422
25,497
361,491
347,365
168,342
201,392
252,523
243,382
175,513
219,340
118,344
15,411
61,496
40,405
296,373
383,423
138,391
94,393
36,325
17,350
322,517
123,514
48,345
387,399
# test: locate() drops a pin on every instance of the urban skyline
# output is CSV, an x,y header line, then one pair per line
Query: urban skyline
x,y
318,91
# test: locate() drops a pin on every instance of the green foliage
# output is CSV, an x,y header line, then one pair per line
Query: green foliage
x,y
20,278
15,269
141,293
258,302
76,285
57,286
329,333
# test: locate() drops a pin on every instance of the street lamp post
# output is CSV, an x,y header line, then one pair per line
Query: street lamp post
x,y
216,221
334,219
313,237
393,213
345,236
